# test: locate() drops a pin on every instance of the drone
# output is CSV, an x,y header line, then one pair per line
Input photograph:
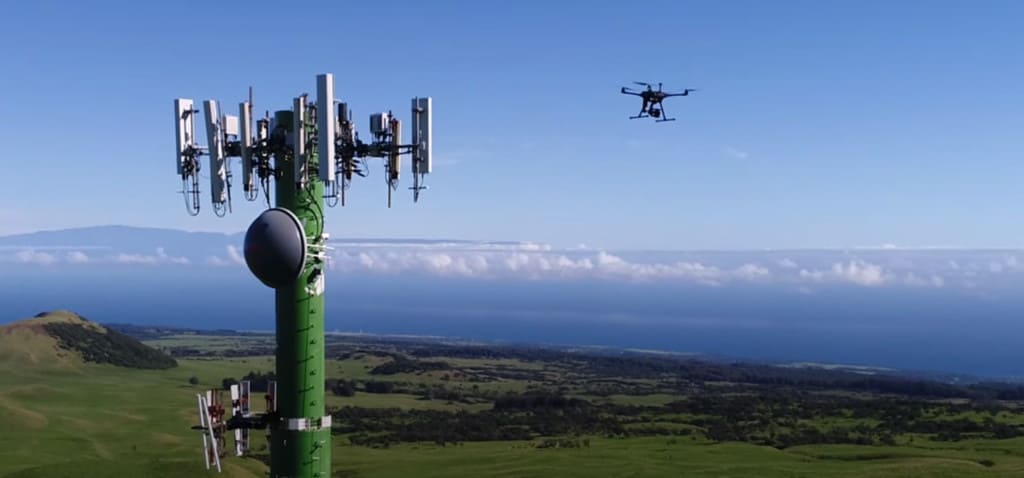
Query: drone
x,y
652,105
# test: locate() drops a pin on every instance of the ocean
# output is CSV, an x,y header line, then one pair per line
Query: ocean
x,y
949,330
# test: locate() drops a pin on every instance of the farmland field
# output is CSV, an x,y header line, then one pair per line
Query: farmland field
x,y
505,413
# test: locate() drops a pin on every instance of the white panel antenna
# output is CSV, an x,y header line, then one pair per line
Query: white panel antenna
x,y
209,437
299,138
244,407
218,163
245,146
326,124
236,408
202,427
185,127
230,125
187,152
422,138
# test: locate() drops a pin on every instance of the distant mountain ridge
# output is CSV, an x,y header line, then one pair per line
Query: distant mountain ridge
x,y
115,236
140,245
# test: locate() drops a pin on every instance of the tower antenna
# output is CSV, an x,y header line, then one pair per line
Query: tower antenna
x,y
309,153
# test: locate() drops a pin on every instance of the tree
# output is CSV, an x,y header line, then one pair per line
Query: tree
x,y
343,388
193,380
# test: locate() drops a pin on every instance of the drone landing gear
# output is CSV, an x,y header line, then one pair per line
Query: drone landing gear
x,y
643,110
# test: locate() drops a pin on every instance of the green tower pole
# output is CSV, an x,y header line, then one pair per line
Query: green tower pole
x,y
300,444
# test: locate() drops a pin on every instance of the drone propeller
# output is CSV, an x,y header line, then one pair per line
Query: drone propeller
x,y
641,83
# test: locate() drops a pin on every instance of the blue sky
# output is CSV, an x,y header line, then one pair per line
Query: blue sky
x,y
817,123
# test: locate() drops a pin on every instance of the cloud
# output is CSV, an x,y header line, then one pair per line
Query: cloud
x,y
540,265
161,257
76,257
734,153
791,269
855,271
235,255
787,263
860,272
752,272
863,273
30,256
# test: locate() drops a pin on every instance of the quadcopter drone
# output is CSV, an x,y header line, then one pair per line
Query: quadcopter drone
x,y
652,105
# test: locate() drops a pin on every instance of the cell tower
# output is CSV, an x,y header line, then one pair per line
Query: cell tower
x,y
311,153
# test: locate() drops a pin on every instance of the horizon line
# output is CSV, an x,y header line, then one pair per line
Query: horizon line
x,y
550,248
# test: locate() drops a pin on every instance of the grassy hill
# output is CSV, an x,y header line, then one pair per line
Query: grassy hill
x,y
27,343
63,339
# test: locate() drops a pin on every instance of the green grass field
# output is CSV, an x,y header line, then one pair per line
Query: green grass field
x,y
61,417
659,457
99,421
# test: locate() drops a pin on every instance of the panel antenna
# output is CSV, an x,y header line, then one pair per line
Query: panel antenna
x,y
188,152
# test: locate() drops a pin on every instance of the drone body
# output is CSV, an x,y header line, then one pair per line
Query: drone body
x,y
652,101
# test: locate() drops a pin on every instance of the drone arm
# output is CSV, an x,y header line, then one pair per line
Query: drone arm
x,y
626,91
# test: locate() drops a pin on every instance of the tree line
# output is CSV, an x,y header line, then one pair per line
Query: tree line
x,y
780,419
109,347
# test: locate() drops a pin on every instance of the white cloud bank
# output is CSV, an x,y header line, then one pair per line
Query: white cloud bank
x,y
161,257
802,270
535,265
31,256
234,258
77,257
855,271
